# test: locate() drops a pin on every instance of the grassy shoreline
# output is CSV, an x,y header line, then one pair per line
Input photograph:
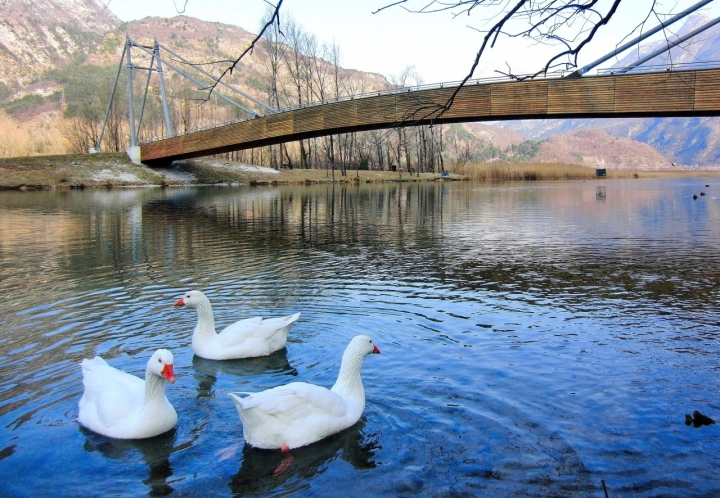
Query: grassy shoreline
x,y
116,170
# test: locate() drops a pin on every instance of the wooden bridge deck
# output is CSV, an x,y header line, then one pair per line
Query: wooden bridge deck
x,y
675,93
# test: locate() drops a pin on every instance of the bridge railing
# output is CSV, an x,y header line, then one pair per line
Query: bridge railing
x,y
472,82
385,91
659,68
407,89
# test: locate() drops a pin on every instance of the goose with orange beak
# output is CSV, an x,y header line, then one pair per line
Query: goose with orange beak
x,y
299,413
248,338
119,405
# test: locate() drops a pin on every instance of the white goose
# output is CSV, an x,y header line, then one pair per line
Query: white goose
x,y
247,338
297,414
122,406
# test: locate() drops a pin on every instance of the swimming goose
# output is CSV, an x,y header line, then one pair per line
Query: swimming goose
x,y
247,338
123,406
298,414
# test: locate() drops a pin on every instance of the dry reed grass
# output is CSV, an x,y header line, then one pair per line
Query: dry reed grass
x,y
20,139
14,141
502,172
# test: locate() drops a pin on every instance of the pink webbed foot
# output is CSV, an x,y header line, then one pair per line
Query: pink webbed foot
x,y
286,461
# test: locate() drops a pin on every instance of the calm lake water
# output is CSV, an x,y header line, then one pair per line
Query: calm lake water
x,y
537,339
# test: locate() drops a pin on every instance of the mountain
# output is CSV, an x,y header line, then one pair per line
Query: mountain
x,y
44,35
38,35
596,148
498,137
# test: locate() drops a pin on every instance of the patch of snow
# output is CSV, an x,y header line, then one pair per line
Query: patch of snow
x,y
258,169
242,167
108,174
174,174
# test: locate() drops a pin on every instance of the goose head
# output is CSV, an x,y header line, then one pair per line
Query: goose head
x,y
362,345
192,299
161,364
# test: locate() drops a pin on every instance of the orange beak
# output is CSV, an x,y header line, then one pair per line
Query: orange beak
x,y
180,302
168,373
375,350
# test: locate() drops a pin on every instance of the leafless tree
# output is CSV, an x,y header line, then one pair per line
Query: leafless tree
x,y
295,62
270,65
407,77
115,129
335,60
82,132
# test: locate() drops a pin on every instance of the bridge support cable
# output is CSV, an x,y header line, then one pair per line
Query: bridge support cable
x,y
668,46
131,100
202,85
221,82
112,96
147,87
163,96
638,39
157,61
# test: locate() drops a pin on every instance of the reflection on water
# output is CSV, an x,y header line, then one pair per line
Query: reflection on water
x,y
255,476
155,452
206,371
537,339
601,193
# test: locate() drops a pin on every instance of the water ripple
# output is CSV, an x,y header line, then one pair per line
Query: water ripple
x,y
535,340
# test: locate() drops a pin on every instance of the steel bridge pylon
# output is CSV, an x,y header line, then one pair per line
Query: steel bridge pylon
x,y
156,66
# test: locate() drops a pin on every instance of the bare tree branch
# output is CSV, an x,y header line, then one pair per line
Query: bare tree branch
x,y
572,24
181,11
389,6
274,19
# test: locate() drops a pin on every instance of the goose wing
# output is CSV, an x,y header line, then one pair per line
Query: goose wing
x,y
256,328
296,401
110,393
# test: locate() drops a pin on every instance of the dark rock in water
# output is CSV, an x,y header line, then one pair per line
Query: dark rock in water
x,y
694,197
697,419
700,419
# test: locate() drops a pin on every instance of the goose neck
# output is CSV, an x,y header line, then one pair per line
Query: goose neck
x,y
154,386
206,320
349,382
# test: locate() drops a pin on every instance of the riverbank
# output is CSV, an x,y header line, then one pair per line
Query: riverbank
x,y
116,170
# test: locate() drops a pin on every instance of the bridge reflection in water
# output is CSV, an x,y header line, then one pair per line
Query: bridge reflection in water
x,y
665,94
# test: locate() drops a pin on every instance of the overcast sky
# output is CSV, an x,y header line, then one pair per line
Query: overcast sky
x,y
440,47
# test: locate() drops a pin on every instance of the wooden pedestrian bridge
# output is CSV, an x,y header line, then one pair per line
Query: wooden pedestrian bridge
x,y
674,93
